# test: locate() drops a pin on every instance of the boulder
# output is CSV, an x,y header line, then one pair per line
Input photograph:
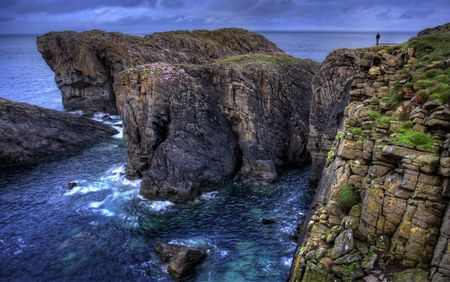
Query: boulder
x,y
343,244
182,260
30,133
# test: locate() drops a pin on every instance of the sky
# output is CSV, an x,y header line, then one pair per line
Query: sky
x,y
146,16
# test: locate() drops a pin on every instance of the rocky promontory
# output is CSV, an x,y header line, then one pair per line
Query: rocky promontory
x,y
85,63
29,133
382,203
198,107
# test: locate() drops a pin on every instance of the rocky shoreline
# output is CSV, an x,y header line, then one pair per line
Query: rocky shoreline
x,y
31,133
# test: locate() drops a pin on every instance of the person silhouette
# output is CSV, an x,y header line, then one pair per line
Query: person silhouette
x,y
378,38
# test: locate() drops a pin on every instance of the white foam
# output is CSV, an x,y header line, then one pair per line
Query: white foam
x,y
86,189
106,212
119,135
209,195
160,205
95,205
287,261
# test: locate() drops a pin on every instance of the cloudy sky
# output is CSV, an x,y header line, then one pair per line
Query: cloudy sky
x,y
144,16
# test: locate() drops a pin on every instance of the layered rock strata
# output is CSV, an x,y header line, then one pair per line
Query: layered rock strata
x,y
382,200
189,127
29,133
85,63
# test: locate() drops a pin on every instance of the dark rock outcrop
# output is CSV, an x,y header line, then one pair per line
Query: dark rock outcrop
x,y
29,133
189,127
182,260
85,63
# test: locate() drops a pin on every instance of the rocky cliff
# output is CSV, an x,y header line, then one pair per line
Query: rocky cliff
x,y
198,107
29,133
189,127
382,208
85,63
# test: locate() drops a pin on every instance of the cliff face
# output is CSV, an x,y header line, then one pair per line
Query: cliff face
x,y
29,133
85,63
382,200
198,107
189,127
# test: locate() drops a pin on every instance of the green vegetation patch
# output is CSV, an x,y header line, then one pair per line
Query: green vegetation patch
x,y
415,138
349,269
357,130
433,84
347,197
260,59
330,154
385,119
375,115
394,97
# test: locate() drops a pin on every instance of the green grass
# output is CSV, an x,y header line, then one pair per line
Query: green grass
x,y
347,197
351,267
330,154
340,134
385,119
415,138
394,98
435,83
261,59
356,130
374,115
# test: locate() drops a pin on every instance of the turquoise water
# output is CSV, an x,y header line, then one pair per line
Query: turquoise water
x,y
102,230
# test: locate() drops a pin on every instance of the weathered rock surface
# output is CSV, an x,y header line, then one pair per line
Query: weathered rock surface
x,y
182,260
331,86
391,147
85,63
189,127
29,133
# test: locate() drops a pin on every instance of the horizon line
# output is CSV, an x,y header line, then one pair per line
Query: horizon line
x,y
252,30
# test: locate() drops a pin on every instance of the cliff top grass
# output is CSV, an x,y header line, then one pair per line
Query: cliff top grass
x,y
261,59
433,84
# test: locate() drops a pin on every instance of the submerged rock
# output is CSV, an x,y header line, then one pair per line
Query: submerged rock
x,y
267,221
182,260
29,133
71,185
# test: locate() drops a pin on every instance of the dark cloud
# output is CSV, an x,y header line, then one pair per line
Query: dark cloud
x,y
59,7
385,15
411,14
152,15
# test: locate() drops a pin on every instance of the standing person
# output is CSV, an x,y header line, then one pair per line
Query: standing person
x,y
378,38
